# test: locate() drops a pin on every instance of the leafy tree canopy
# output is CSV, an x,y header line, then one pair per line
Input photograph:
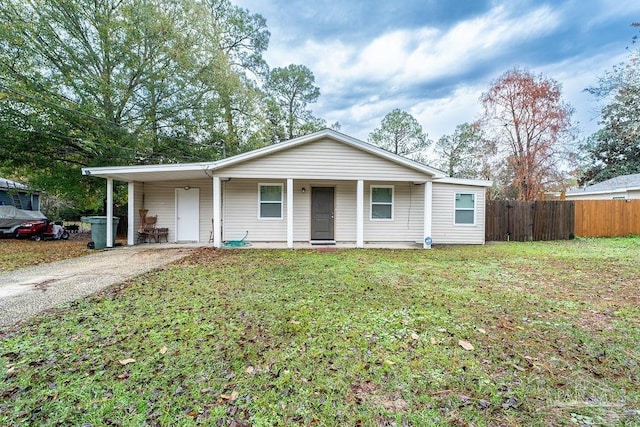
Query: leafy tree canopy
x,y
615,148
400,133
458,154
121,82
529,128
292,88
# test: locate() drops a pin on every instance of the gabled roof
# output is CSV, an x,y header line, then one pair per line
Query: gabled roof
x,y
336,136
614,185
208,169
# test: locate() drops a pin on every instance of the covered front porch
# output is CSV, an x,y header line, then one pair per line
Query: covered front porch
x,y
283,212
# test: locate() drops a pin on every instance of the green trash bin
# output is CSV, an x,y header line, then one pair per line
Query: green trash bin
x,y
99,230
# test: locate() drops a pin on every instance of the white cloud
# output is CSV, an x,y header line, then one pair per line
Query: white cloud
x,y
424,55
607,10
577,74
441,116
475,41
415,69
405,57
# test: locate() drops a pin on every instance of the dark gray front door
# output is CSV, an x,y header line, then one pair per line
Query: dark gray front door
x,y
322,213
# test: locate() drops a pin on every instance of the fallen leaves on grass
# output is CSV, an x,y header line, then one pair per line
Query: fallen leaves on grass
x,y
230,397
466,345
25,253
127,361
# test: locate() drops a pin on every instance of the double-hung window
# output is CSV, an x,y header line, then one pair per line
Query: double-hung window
x,y
382,202
270,201
465,210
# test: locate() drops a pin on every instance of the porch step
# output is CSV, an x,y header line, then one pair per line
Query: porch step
x,y
323,242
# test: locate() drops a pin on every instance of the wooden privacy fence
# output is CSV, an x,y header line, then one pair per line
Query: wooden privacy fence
x,y
527,221
607,218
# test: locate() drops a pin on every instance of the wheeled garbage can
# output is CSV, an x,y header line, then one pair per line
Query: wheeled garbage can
x,y
99,230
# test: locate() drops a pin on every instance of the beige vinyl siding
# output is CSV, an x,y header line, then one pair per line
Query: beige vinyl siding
x,y
301,211
408,214
344,208
160,200
323,159
444,231
240,212
345,211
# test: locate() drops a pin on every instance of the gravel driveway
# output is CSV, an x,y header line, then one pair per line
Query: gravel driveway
x,y
29,291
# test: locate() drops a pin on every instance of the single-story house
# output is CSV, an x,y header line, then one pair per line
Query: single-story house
x,y
325,187
624,187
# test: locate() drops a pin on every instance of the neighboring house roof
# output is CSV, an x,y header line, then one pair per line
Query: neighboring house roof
x,y
200,170
619,184
11,185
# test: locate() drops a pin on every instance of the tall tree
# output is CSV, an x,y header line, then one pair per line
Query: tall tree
x,y
401,134
292,88
529,126
86,83
458,154
615,148
230,62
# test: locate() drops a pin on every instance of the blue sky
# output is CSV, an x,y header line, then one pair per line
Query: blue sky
x,y
434,58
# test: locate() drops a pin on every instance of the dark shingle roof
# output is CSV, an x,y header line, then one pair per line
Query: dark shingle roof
x,y
617,183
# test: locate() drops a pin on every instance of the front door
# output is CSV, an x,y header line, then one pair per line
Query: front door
x,y
187,214
322,213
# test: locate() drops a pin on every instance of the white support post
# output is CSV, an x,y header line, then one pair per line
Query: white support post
x,y
290,213
217,213
360,214
109,212
428,207
131,218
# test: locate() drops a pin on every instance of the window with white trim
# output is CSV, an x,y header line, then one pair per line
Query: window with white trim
x,y
382,202
465,211
270,201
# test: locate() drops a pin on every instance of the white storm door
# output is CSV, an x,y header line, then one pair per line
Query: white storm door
x,y
187,215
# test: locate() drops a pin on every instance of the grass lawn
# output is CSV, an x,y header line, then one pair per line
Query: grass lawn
x,y
18,253
528,334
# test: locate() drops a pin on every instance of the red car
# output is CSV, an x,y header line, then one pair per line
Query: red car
x,y
42,230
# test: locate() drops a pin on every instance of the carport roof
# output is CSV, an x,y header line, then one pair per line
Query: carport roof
x,y
149,173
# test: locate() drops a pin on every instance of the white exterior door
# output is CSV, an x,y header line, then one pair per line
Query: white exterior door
x,y
187,215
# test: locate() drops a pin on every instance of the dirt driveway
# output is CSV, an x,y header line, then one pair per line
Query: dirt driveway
x,y
28,291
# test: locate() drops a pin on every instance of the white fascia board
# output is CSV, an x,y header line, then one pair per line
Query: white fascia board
x,y
112,170
464,181
595,193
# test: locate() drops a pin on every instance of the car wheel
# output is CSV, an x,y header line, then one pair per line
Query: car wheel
x,y
37,238
65,235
